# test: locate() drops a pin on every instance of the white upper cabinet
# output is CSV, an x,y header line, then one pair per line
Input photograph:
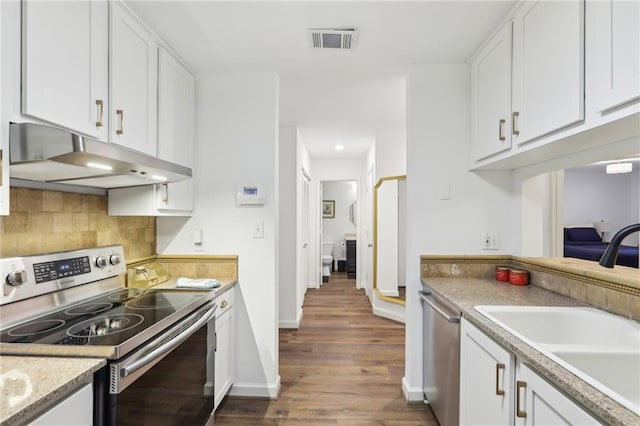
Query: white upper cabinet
x,y
491,96
616,52
548,68
175,129
133,54
65,64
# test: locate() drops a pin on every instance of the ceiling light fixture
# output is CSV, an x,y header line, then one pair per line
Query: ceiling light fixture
x,y
338,147
619,168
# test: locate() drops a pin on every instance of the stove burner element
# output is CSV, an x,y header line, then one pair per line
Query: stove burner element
x,y
104,326
159,301
35,327
88,308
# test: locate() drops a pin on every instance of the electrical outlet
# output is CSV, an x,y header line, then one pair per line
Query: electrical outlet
x,y
490,241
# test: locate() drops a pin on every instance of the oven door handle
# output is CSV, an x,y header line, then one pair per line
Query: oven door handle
x,y
167,347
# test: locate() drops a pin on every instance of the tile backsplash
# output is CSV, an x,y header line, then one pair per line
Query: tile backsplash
x,y
50,221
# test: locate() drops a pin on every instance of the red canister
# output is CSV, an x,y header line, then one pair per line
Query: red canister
x,y
518,277
502,273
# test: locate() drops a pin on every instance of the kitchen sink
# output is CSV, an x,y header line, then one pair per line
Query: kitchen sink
x,y
601,348
556,325
618,371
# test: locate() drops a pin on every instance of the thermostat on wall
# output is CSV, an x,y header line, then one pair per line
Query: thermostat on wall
x,y
250,194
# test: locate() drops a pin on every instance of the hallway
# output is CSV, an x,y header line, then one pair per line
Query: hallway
x,y
344,366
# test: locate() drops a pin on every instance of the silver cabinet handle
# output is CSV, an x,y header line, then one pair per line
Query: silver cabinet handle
x,y
514,123
120,114
520,385
100,104
450,318
499,392
501,129
167,347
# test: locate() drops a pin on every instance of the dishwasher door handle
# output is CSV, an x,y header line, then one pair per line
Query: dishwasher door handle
x,y
450,318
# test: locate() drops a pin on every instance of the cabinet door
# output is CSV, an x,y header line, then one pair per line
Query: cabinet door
x,y
175,129
486,379
77,409
548,68
542,404
65,64
491,96
224,356
616,52
133,81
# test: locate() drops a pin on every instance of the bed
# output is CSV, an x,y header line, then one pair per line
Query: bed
x,y
585,243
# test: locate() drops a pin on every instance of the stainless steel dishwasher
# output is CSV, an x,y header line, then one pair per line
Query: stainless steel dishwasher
x,y
441,357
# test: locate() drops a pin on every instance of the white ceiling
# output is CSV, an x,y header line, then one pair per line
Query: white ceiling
x,y
332,96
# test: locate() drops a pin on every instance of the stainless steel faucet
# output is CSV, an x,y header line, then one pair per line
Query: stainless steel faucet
x,y
609,256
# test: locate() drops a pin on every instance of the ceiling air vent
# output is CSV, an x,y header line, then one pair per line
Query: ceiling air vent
x,y
333,38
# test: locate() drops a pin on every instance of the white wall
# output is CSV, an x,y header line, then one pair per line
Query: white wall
x,y
391,154
344,193
289,311
437,147
236,140
592,196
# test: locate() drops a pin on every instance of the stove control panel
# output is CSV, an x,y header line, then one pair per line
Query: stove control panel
x,y
30,276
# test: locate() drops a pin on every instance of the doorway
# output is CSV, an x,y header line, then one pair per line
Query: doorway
x,y
338,229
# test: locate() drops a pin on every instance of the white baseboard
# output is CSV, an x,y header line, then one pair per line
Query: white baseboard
x,y
257,390
313,285
389,314
390,293
291,324
413,395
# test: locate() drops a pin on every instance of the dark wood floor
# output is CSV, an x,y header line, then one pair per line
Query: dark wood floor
x,y
344,366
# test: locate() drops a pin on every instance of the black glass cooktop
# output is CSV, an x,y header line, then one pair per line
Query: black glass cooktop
x,y
108,320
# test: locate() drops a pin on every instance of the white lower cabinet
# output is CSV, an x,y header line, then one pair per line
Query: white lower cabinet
x,y
224,344
496,389
76,409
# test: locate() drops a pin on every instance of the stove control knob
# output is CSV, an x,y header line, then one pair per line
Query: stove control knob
x,y
17,278
114,259
101,261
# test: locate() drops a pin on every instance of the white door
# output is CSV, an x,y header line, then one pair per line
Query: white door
x,y
616,51
491,96
368,234
304,232
134,82
548,68
64,64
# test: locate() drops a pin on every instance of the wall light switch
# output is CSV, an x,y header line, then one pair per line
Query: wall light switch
x,y
258,230
198,240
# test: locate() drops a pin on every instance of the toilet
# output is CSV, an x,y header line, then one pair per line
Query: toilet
x,y
327,260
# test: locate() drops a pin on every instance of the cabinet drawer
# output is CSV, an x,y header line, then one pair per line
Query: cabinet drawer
x,y
225,302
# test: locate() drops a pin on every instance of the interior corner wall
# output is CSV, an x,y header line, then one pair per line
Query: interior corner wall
x,y
236,143
288,207
391,154
437,163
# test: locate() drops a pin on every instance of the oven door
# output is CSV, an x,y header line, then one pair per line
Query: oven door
x,y
164,382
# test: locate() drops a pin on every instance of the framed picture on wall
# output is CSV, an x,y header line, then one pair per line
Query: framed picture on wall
x,y
328,209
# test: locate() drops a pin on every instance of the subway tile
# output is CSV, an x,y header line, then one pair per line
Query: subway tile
x,y
29,244
16,222
41,223
53,243
80,221
29,200
72,202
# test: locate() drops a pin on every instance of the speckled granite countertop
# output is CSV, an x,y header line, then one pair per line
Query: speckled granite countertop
x,y
465,293
45,380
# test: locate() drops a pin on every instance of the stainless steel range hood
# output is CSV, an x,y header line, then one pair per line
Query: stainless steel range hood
x,y
47,154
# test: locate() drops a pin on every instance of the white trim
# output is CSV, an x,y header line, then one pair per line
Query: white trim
x,y
390,293
257,390
411,394
291,324
313,285
389,314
